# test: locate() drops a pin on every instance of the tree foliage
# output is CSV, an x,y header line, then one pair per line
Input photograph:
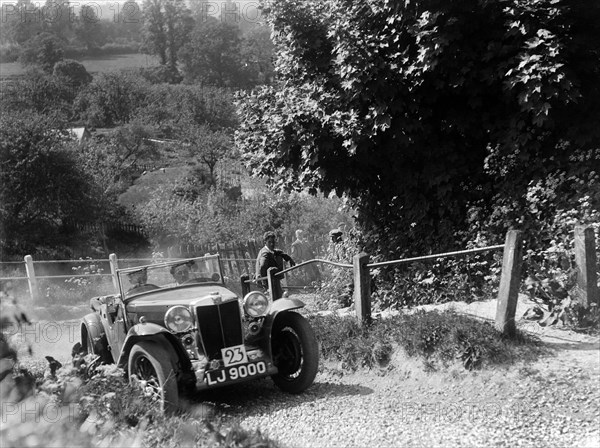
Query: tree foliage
x,y
40,93
111,99
208,147
88,29
43,50
213,54
167,24
174,109
417,110
41,183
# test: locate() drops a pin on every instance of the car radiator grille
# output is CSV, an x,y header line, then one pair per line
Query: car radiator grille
x,y
219,326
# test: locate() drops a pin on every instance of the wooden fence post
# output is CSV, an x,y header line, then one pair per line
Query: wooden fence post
x,y
274,284
362,288
245,285
585,259
33,284
508,292
114,265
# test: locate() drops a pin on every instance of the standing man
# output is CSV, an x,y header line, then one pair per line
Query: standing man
x,y
301,251
269,257
299,248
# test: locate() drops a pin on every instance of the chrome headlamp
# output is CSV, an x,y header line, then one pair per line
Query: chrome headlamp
x,y
256,304
179,319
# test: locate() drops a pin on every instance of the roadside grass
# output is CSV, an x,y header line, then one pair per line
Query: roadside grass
x,y
439,339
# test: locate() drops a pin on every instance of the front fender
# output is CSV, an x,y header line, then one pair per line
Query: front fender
x,y
284,304
153,332
279,305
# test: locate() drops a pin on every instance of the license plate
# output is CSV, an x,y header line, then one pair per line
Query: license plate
x,y
235,373
234,355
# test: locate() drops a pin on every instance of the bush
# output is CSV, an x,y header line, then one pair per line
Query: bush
x,y
71,72
440,339
161,74
9,53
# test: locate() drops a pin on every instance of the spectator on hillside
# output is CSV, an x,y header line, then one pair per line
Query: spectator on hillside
x,y
300,248
302,251
269,257
336,239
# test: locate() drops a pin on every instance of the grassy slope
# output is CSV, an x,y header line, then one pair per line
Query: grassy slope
x,y
142,188
92,65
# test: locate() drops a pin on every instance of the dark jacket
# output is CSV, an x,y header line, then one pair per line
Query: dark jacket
x,y
270,259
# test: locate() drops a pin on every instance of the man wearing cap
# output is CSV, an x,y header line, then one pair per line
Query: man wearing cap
x,y
139,281
269,257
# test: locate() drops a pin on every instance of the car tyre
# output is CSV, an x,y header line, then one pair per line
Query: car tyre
x,y
98,347
295,352
151,363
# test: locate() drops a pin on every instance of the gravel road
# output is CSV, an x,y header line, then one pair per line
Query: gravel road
x,y
551,402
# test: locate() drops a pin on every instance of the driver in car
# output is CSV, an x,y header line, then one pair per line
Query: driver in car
x,y
137,279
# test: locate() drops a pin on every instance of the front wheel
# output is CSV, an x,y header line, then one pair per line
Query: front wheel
x,y
295,352
151,364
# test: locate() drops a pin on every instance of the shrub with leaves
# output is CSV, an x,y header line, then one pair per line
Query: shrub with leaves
x,y
439,339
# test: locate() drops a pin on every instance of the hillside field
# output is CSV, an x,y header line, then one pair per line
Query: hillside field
x,y
106,63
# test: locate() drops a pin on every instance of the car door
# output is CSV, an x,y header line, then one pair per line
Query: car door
x,y
116,327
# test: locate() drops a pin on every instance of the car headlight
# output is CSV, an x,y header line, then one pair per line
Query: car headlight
x,y
256,304
179,319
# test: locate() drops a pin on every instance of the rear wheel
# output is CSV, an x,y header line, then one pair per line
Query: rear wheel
x,y
150,363
95,346
295,352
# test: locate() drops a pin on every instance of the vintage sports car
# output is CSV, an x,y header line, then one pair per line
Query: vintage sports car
x,y
179,330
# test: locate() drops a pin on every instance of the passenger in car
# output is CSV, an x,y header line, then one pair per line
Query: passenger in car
x,y
181,272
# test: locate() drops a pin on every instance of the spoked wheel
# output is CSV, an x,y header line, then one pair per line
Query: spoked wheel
x,y
151,364
295,352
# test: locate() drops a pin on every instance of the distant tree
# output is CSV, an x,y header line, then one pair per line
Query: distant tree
x,y
40,93
126,24
167,25
59,18
230,12
88,28
208,146
41,182
112,98
72,72
134,143
170,108
20,21
43,50
213,55
257,53
113,159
